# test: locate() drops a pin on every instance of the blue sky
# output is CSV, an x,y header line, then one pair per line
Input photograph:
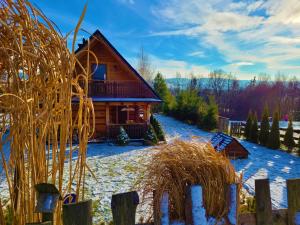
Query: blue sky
x,y
244,38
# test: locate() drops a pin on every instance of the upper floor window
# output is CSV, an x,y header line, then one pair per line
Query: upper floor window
x,y
99,71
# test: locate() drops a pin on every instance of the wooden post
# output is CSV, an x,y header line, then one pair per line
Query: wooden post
x,y
194,210
78,213
293,194
124,208
164,209
263,202
234,199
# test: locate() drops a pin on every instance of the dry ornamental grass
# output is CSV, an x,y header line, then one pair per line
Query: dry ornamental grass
x,y
37,84
179,164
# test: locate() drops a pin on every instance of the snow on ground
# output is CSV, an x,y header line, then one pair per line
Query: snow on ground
x,y
118,168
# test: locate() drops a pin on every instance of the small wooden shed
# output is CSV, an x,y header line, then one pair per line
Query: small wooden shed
x,y
229,145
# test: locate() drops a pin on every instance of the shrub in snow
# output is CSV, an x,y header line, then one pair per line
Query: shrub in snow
x,y
248,126
254,129
288,137
264,127
274,137
157,128
210,119
150,137
122,138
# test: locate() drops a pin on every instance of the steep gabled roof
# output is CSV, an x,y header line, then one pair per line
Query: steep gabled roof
x,y
99,35
220,141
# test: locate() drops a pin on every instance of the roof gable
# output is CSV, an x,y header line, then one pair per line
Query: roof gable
x,y
98,35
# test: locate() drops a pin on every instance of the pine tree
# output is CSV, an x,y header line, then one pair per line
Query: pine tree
x,y
210,120
254,129
122,138
160,87
264,127
288,137
274,136
157,128
248,126
150,137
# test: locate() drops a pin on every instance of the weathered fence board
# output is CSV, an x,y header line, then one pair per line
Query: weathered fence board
x,y
263,202
78,213
293,188
124,208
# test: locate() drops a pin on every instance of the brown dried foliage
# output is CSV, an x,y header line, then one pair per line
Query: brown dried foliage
x,y
179,164
37,85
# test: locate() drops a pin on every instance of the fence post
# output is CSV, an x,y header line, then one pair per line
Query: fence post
x,y
234,198
293,194
124,208
263,202
194,209
78,213
164,209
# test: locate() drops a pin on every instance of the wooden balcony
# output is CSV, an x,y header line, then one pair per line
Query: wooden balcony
x,y
134,131
119,89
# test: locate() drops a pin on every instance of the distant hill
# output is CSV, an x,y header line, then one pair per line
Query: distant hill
x,y
184,82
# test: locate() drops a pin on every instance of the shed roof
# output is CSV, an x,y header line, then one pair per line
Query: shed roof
x,y
220,141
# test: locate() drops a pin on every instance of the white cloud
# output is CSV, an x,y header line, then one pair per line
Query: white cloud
x,y
197,54
239,33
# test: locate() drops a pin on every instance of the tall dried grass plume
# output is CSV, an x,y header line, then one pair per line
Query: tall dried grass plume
x,y
182,163
38,82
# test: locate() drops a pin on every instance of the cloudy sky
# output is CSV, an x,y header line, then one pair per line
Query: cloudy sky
x,y
242,37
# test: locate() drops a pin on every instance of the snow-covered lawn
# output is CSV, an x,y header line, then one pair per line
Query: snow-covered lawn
x,y
118,168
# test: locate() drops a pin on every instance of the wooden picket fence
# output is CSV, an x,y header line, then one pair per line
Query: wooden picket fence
x,y
124,207
238,129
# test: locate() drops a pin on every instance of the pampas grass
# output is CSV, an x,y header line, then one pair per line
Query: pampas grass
x,y
179,164
38,82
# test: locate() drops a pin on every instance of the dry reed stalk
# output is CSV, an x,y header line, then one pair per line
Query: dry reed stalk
x,y
176,165
37,83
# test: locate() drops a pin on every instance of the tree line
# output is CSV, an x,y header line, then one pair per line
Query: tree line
x,y
186,104
267,135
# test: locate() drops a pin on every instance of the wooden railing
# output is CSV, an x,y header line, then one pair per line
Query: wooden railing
x,y
134,131
124,207
119,89
238,129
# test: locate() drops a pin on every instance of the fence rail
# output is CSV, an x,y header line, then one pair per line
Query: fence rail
x,y
238,129
124,207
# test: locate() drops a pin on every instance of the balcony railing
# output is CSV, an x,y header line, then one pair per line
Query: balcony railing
x,y
119,89
134,131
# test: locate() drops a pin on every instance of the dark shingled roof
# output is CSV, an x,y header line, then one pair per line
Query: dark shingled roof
x,y
97,33
220,141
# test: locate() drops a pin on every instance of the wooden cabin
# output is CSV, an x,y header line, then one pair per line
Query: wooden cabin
x,y
229,145
120,95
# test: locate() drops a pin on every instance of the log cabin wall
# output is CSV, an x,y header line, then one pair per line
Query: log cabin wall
x,y
117,70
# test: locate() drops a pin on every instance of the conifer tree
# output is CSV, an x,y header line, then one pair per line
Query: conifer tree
x,y
288,137
122,138
248,126
254,129
210,120
274,136
157,128
150,137
264,127
161,88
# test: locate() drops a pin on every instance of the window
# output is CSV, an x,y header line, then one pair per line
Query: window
x,y
99,71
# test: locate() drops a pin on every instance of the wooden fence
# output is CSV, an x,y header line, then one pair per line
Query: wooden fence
x,y
124,207
238,129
